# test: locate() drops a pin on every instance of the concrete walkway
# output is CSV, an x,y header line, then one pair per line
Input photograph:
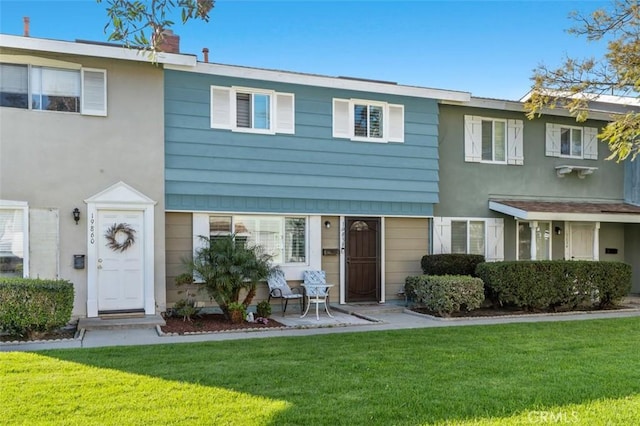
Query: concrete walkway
x,y
347,319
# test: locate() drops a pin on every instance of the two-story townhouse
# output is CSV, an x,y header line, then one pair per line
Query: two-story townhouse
x,y
518,189
82,170
328,173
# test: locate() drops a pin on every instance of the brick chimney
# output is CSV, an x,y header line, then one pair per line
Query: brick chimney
x,y
26,21
170,42
205,53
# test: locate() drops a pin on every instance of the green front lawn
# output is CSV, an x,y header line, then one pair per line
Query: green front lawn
x,y
575,372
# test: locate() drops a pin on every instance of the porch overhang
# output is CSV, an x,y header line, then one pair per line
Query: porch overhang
x,y
567,211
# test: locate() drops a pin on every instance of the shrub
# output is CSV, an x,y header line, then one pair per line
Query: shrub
x,y
186,308
227,268
446,294
263,310
451,264
554,284
29,306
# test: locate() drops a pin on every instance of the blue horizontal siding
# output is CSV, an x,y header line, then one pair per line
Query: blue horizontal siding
x,y
308,172
235,204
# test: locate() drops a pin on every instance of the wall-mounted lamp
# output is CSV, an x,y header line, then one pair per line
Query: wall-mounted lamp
x,y
76,215
558,230
327,224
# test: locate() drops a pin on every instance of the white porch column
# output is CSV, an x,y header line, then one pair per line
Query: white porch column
x,y
534,249
596,241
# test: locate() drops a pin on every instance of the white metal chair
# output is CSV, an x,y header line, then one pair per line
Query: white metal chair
x,y
279,289
316,291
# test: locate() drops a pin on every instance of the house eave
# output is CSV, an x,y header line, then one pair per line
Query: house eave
x,y
520,214
93,50
322,81
515,106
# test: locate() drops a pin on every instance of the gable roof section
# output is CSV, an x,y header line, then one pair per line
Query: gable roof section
x,y
570,211
93,50
323,81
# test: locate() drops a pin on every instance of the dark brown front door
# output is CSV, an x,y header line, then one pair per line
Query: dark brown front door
x,y
363,259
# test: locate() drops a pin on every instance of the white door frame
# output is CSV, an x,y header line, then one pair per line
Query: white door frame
x,y
120,197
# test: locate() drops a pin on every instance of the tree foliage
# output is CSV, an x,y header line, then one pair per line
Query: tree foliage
x,y
141,24
579,81
229,268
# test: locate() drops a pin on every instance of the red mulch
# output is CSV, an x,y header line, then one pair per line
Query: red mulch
x,y
211,322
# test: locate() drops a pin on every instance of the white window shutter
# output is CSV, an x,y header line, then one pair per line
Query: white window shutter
x,y
552,143
472,139
44,243
285,113
221,112
590,143
495,240
341,118
441,235
94,92
515,153
395,125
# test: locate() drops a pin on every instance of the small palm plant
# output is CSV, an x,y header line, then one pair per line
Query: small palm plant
x,y
228,267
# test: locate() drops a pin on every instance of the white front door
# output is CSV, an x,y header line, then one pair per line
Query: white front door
x,y
120,263
580,241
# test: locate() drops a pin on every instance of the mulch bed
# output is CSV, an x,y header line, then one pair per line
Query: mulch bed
x,y
64,333
210,323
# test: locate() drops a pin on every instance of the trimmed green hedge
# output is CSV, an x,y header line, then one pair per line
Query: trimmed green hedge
x,y
555,284
34,305
446,294
451,264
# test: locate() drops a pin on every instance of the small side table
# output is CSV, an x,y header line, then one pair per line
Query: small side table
x,y
317,293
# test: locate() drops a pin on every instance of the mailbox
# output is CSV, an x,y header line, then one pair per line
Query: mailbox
x,y
78,261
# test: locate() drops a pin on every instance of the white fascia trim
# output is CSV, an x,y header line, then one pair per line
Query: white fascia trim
x,y
321,81
93,50
569,217
506,105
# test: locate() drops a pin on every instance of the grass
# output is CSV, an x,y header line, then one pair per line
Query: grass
x,y
574,372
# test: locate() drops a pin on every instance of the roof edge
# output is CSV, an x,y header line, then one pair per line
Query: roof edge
x,y
323,81
94,50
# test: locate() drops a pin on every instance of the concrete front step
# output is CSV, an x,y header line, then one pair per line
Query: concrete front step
x,y
369,308
120,322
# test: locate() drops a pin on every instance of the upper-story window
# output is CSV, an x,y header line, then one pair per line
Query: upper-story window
x,y
53,89
493,140
370,121
571,141
252,110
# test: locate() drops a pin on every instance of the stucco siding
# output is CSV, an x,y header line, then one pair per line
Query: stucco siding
x,y
466,187
56,160
632,181
632,253
308,172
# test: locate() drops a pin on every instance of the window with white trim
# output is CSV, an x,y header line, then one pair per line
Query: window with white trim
x,y
14,239
53,89
571,141
282,237
493,140
369,121
252,110
469,235
534,240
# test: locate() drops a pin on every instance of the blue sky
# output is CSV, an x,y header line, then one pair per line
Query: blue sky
x,y
488,48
